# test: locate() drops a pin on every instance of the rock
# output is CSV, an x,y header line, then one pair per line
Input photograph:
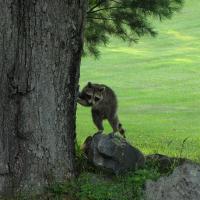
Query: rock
x,y
163,162
112,153
182,184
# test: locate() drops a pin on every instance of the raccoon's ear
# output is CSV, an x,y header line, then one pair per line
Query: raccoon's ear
x,y
89,84
102,89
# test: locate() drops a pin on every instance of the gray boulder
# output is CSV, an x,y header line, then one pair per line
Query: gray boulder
x,y
182,184
112,153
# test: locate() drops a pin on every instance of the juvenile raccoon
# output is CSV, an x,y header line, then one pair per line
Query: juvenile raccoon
x,y
103,101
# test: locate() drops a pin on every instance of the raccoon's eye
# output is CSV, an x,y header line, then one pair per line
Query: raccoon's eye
x,y
88,96
96,98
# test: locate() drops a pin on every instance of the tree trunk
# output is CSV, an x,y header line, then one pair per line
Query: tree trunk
x,y
40,50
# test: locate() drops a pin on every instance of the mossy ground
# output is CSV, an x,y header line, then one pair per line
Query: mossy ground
x,y
98,186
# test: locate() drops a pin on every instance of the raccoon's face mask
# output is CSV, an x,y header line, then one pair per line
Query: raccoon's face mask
x,y
93,94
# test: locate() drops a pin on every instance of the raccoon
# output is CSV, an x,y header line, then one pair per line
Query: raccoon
x,y
103,102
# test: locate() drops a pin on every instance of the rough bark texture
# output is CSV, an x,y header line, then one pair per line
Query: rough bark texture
x,y
40,50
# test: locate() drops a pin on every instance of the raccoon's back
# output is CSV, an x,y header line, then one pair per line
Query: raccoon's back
x,y
109,102
110,96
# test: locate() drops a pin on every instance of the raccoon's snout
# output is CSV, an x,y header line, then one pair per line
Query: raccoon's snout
x,y
90,101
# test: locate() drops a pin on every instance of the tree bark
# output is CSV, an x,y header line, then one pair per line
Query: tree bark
x,y
40,49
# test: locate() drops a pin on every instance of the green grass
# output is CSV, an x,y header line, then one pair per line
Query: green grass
x,y
157,82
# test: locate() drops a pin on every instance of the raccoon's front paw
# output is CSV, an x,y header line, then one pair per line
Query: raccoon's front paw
x,y
117,134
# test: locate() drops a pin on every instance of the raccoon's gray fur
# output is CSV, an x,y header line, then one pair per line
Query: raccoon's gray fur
x,y
103,101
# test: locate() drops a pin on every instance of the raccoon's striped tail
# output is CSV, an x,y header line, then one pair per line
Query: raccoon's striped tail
x,y
121,130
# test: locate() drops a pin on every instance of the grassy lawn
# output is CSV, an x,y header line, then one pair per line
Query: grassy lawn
x,y
157,82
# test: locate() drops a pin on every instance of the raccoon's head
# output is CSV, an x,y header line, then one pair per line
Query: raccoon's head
x,y
92,93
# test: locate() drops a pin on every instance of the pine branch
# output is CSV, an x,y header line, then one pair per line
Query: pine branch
x,y
108,8
126,19
95,6
116,2
101,18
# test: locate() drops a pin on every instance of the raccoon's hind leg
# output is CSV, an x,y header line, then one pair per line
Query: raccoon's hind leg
x,y
114,123
97,119
116,126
